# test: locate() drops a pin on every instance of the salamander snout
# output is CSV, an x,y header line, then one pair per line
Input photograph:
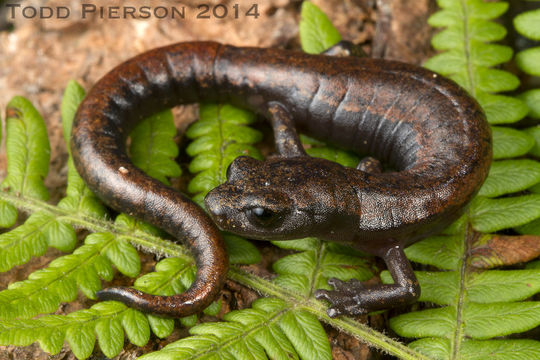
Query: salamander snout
x,y
215,207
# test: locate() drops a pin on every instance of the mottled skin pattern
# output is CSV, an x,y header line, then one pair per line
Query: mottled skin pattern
x,y
424,126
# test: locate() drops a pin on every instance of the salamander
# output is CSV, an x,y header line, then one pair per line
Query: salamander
x,y
430,133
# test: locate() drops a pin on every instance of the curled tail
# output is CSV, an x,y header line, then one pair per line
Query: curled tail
x,y
211,261
141,86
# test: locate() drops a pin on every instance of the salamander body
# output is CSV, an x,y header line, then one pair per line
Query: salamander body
x,y
422,125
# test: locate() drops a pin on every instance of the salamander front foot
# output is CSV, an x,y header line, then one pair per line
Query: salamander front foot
x,y
346,298
353,298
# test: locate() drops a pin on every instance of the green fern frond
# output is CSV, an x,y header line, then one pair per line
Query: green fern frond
x,y
151,147
73,96
8,213
108,321
534,132
269,330
27,149
467,57
79,198
320,149
33,238
489,215
316,31
220,136
467,60
45,289
41,230
28,152
477,306
316,262
527,24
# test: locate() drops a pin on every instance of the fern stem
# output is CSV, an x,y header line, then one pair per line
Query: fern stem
x,y
315,273
467,49
150,243
222,146
352,327
159,246
374,338
456,342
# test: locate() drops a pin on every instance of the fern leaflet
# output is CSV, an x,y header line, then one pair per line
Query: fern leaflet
x,y
527,24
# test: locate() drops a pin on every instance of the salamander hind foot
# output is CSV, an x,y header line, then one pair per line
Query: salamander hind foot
x,y
345,48
370,165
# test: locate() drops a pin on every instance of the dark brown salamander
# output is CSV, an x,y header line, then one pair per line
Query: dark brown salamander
x,y
423,125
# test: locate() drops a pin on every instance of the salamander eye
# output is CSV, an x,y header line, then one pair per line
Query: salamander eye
x,y
262,216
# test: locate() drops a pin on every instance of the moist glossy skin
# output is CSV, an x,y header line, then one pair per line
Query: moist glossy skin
x,y
423,125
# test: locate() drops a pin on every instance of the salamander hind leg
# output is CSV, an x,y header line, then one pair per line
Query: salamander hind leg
x,y
370,165
345,48
353,298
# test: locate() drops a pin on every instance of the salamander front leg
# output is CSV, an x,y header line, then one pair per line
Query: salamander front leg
x,y
287,141
353,298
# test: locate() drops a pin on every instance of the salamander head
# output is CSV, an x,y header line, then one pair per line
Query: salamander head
x,y
278,199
